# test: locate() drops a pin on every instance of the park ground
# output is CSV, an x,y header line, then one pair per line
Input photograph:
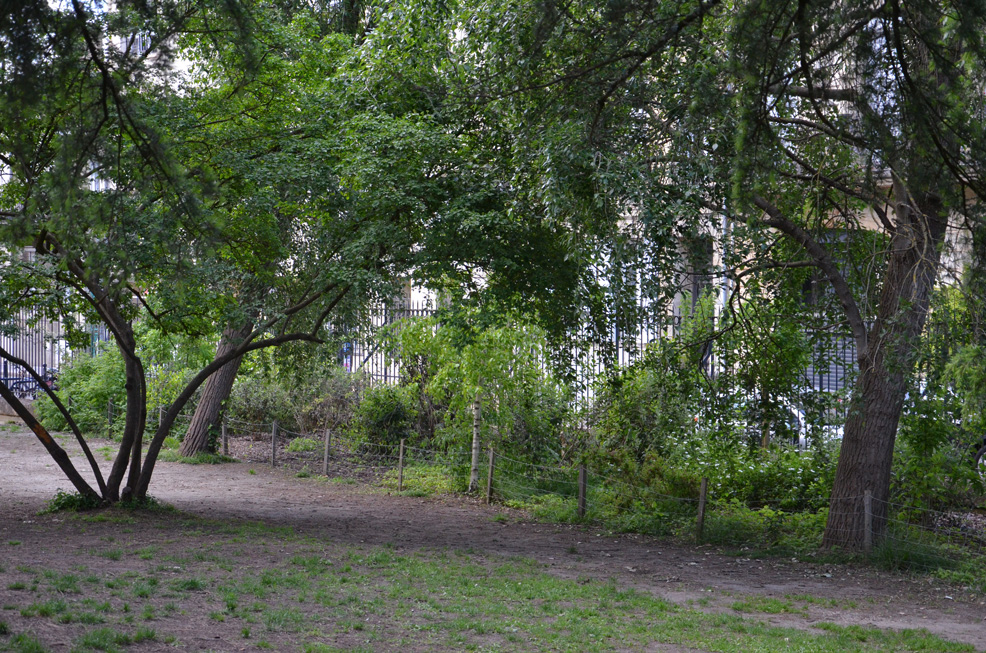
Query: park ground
x,y
251,558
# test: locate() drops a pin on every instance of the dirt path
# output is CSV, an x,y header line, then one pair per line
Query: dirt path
x,y
353,515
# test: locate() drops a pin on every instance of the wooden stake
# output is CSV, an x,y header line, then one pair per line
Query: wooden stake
x,y
273,444
700,521
225,438
400,468
325,454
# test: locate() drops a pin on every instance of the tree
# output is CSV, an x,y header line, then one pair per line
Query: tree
x,y
212,210
490,374
797,126
321,23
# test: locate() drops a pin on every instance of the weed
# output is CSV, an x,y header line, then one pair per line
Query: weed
x,y
303,445
189,585
111,554
72,502
103,639
24,643
45,609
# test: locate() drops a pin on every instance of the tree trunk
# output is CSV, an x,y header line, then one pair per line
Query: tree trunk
x,y
216,391
474,469
130,451
866,455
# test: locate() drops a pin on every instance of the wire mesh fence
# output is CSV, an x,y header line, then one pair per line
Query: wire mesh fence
x,y
899,536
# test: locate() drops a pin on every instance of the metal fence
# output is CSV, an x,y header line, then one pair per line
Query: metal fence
x,y
38,342
830,370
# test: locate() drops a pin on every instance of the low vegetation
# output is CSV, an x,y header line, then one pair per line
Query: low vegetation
x,y
315,595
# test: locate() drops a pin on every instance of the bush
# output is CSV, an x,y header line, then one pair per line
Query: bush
x,y
304,445
386,414
259,399
932,468
87,385
71,502
642,408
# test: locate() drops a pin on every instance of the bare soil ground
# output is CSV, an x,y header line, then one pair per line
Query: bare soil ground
x,y
700,577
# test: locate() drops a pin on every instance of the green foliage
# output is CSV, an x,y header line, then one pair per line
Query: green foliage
x,y
72,502
260,399
386,414
304,399
303,445
907,548
88,384
460,360
201,458
647,406
731,523
426,480
932,469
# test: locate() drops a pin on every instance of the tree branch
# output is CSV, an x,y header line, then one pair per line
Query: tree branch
x,y
777,220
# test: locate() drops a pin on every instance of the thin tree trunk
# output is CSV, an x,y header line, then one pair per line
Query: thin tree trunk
x,y
65,413
866,455
130,445
216,391
58,454
474,469
136,419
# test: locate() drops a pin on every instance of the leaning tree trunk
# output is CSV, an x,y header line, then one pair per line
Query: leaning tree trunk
x,y
216,391
866,455
58,454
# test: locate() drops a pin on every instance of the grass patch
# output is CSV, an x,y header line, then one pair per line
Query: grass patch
x,y
102,639
426,480
765,605
299,589
201,458
304,445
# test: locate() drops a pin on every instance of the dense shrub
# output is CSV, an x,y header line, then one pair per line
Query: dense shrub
x,y
932,468
524,409
87,385
260,399
386,414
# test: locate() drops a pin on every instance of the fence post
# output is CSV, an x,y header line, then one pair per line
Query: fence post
x,y
325,454
489,476
225,438
582,490
700,521
273,444
400,468
867,521
109,419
